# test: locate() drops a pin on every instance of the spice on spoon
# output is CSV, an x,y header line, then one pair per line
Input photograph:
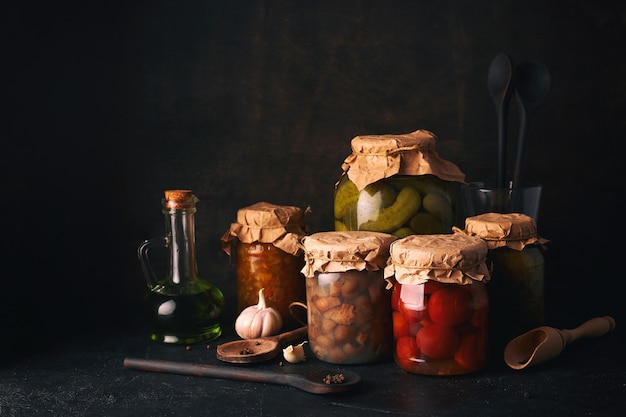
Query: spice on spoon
x,y
334,379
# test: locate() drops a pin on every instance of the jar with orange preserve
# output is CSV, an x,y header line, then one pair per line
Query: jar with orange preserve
x,y
348,307
440,303
269,256
515,256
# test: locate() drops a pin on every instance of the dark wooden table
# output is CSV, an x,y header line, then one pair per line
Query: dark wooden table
x,y
87,378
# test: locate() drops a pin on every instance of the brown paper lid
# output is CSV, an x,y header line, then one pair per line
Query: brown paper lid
x,y
447,258
375,157
513,230
263,222
344,251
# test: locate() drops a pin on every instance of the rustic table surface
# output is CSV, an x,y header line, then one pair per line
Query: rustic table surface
x,y
87,378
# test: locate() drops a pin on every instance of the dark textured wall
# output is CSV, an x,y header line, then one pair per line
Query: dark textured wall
x,y
105,106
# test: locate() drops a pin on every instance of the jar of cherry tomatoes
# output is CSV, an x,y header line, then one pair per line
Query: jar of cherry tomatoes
x,y
398,184
348,306
268,255
516,289
440,303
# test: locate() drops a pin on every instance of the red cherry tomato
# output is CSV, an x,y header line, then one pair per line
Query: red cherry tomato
x,y
395,296
450,306
412,303
480,317
406,347
406,353
426,321
472,351
432,286
437,342
400,326
412,314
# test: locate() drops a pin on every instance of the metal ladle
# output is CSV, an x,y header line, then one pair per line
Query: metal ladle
x,y
545,343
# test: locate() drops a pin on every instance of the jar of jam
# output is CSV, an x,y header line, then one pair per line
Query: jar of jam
x,y
517,268
348,307
440,303
398,184
268,255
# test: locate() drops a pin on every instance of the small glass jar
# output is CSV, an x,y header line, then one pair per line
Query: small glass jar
x,y
440,303
517,286
268,255
348,307
398,184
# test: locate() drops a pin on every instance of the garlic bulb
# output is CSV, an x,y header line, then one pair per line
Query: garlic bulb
x,y
294,354
258,320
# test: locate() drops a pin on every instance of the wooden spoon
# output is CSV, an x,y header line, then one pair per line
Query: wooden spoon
x,y
532,85
316,382
544,343
499,83
259,349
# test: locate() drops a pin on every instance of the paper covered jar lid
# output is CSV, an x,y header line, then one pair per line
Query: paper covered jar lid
x,y
263,222
340,251
375,157
513,230
447,258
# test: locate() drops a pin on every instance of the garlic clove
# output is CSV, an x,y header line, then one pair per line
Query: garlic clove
x,y
294,354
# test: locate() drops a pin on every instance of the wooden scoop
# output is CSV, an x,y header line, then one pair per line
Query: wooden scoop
x,y
315,382
259,349
544,343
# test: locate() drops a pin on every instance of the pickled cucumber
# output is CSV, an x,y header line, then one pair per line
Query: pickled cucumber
x,y
340,226
382,191
403,232
347,195
350,219
372,199
426,224
393,217
425,184
438,205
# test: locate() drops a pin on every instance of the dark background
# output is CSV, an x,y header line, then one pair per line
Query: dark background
x,y
107,105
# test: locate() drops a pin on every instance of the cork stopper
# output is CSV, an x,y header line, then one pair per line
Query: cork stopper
x,y
514,230
447,258
179,199
337,251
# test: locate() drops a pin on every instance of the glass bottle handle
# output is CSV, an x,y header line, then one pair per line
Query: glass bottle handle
x,y
144,259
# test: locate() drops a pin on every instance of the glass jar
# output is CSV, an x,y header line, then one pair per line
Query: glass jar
x,y
398,184
182,307
517,285
440,303
263,265
268,255
348,307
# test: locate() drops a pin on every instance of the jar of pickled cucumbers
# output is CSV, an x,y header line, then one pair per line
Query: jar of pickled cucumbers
x,y
398,184
268,256
517,286
440,303
348,306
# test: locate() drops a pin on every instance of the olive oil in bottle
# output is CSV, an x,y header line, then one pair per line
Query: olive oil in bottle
x,y
182,308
